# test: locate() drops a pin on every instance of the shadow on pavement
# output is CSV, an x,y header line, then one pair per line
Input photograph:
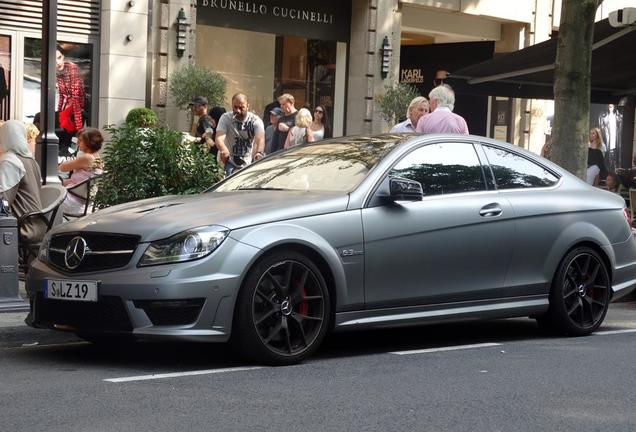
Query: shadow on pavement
x,y
54,347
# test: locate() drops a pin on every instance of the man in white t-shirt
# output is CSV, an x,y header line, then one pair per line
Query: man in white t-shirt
x,y
240,136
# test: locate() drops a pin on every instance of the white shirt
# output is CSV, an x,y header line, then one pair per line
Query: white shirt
x,y
404,127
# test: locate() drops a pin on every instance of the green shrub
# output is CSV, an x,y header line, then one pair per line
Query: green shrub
x,y
191,81
395,101
142,117
144,163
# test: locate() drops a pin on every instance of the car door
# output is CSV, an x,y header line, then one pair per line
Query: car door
x,y
541,217
454,245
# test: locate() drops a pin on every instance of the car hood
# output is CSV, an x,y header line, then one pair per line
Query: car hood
x,y
158,218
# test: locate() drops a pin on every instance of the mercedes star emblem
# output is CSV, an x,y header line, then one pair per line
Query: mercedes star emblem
x,y
75,252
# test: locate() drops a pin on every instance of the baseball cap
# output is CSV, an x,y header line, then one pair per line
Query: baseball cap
x,y
199,100
276,111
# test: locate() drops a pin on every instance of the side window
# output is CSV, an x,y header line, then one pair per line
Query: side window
x,y
512,171
443,168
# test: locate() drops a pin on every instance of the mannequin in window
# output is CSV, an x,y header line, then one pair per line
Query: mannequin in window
x,y
611,122
70,90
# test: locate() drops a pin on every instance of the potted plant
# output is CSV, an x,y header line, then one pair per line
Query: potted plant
x,y
394,102
146,162
191,81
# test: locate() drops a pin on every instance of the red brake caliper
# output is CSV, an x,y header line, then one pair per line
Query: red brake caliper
x,y
303,308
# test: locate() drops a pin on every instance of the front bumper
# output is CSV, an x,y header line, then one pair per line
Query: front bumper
x,y
191,301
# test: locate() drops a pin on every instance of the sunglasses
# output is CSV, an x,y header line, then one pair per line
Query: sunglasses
x,y
319,111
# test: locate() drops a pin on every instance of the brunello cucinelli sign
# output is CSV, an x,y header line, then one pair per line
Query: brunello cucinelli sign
x,y
323,20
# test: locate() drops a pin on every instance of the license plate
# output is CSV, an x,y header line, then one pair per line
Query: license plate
x,y
71,290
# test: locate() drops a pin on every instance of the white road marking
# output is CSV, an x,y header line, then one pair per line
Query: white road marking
x,y
613,332
179,374
450,348
38,346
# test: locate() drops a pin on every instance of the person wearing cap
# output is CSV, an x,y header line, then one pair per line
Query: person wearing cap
x,y
199,106
275,114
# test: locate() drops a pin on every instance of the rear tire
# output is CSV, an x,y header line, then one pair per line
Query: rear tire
x,y
580,294
283,310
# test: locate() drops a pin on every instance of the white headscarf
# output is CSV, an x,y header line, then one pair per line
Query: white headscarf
x,y
13,142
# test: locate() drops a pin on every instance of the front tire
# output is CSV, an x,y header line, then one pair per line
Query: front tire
x,y
580,293
283,310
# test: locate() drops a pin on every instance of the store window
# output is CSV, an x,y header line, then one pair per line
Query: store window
x,y
74,79
5,77
269,65
307,70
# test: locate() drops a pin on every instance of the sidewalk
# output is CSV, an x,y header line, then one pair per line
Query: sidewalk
x,y
14,319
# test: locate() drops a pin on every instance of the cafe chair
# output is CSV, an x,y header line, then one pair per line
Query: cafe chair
x,y
52,196
85,192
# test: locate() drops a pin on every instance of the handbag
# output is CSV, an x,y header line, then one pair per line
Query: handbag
x,y
67,120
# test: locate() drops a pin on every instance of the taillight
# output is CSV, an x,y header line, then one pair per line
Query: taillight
x,y
628,216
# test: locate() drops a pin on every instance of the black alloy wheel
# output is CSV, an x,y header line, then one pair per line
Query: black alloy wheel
x,y
580,293
283,310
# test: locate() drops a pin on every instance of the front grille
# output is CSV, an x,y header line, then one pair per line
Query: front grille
x,y
171,312
107,314
107,251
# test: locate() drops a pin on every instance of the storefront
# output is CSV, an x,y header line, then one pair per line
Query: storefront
x,y
426,66
20,54
264,50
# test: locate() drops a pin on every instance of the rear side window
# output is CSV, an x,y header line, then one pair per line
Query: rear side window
x,y
513,171
443,168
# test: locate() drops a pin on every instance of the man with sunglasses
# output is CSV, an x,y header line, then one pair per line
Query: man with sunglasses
x,y
240,136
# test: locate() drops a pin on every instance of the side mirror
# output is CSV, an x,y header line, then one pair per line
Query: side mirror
x,y
403,189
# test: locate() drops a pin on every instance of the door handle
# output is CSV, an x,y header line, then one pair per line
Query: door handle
x,y
490,210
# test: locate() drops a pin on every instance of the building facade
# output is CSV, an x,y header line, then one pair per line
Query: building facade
x,y
327,53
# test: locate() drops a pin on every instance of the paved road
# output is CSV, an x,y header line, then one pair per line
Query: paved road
x,y
502,375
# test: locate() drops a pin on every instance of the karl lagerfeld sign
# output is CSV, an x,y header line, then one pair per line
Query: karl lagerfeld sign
x,y
324,20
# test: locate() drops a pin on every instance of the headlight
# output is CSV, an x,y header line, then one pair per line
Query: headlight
x,y
43,253
185,246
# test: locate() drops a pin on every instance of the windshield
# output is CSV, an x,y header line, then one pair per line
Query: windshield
x,y
334,166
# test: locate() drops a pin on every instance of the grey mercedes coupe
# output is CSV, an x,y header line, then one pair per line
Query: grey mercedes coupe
x,y
349,233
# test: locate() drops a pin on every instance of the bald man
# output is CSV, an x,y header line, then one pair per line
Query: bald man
x,y
240,136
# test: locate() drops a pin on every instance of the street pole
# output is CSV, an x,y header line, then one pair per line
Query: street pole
x,y
47,149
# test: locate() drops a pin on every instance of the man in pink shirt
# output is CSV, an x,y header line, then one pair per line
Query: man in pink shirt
x,y
442,119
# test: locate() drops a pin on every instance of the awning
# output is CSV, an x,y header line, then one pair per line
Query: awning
x,y
529,73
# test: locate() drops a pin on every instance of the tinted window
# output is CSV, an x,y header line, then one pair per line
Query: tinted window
x,y
443,168
512,171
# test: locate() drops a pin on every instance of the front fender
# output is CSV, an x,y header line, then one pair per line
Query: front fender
x,y
324,237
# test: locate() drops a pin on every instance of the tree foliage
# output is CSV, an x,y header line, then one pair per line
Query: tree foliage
x,y
191,81
144,163
572,84
142,117
395,101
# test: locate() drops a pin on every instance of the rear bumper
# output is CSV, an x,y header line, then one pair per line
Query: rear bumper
x,y
624,272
